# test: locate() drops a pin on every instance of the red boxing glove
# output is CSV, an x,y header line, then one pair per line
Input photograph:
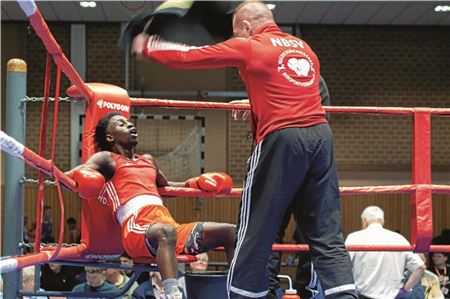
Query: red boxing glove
x,y
90,182
217,182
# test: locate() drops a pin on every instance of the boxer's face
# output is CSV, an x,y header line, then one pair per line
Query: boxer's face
x,y
121,132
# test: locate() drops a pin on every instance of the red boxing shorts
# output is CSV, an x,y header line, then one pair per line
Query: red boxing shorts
x,y
133,232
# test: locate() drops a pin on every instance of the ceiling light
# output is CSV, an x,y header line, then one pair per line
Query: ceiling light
x,y
271,6
442,8
88,4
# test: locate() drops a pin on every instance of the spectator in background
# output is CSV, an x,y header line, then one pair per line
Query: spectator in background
x,y
74,231
380,274
201,264
428,287
440,267
26,235
57,277
443,238
28,278
126,260
95,282
31,232
117,278
47,226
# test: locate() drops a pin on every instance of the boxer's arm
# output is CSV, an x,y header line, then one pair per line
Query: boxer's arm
x,y
91,176
101,162
161,179
233,52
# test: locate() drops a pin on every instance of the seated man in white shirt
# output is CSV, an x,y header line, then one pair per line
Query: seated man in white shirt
x,y
378,275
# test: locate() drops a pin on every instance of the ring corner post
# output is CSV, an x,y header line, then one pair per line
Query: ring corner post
x,y
421,200
16,80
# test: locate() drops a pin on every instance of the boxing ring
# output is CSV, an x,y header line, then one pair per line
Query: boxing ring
x,y
104,98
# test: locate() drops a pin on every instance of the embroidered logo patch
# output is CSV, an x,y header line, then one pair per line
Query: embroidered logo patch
x,y
297,67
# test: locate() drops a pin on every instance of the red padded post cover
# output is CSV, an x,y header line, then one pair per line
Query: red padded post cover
x,y
422,199
100,230
106,98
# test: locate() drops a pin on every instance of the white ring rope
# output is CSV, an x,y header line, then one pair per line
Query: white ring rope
x,y
11,145
28,6
8,265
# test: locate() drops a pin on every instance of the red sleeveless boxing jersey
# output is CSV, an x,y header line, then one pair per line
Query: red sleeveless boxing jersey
x,y
131,178
281,73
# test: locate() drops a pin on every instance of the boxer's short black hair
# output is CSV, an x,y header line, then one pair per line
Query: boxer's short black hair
x,y
100,131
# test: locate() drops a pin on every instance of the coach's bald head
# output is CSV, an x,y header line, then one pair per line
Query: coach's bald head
x,y
249,16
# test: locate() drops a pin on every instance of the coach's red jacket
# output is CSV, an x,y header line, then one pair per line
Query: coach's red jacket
x,y
280,71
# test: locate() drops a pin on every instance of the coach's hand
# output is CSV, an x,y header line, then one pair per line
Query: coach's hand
x,y
217,182
90,182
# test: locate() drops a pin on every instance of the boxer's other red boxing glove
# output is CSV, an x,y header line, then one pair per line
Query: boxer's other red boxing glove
x,y
90,182
216,182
